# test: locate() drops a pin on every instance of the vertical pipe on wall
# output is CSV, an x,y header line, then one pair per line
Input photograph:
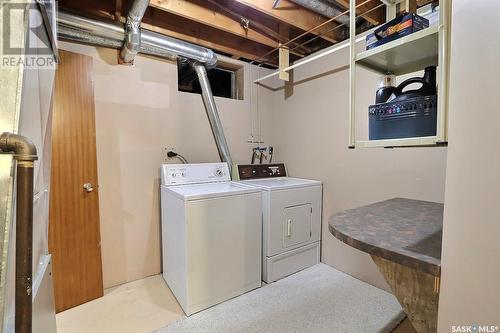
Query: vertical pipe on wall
x,y
24,250
352,73
444,69
25,154
132,42
213,114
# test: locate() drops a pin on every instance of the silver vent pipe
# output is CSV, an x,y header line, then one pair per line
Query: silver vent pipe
x,y
133,30
85,37
81,29
213,114
89,31
325,8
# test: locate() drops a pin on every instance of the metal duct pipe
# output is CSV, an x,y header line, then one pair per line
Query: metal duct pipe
x,y
170,46
25,154
87,38
90,31
133,30
82,29
213,114
112,30
325,8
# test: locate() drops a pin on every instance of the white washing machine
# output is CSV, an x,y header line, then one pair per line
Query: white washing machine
x,y
211,234
291,218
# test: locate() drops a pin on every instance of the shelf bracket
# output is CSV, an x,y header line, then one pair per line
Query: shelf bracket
x,y
284,62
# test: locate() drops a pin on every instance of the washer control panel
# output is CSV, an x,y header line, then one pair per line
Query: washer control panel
x,y
253,171
196,173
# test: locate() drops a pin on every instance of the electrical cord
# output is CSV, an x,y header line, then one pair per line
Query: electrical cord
x,y
172,154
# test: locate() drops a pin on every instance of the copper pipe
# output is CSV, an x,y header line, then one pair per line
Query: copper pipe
x,y
24,251
25,154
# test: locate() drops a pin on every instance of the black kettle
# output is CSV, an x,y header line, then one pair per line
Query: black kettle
x,y
429,87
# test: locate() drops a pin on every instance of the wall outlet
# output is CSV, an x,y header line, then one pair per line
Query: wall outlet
x,y
165,151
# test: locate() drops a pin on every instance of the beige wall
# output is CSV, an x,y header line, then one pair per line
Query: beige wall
x,y
470,285
310,134
139,112
308,129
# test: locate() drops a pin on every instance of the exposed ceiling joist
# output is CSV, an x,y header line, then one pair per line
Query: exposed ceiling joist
x,y
375,17
262,23
197,33
203,14
98,8
202,42
295,15
118,9
244,29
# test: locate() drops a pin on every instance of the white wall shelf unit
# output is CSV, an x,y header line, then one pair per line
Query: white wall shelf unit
x,y
404,55
412,53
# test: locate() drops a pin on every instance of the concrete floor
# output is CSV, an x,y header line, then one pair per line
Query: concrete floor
x,y
139,306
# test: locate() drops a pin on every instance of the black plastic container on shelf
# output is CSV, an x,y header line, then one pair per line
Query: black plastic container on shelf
x,y
429,86
407,114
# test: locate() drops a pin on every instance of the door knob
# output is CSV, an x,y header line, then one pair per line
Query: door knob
x,y
88,187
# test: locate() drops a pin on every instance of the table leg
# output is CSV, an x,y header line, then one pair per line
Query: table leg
x,y
416,291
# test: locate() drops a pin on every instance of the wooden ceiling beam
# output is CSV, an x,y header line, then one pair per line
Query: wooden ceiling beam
x,y
236,53
98,8
294,15
118,9
194,11
263,23
197,33
375,17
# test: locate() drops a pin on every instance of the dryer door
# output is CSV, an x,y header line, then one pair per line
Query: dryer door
x,y
296,225
288,220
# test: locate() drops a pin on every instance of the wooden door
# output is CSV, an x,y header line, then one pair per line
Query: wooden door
x,y
74,235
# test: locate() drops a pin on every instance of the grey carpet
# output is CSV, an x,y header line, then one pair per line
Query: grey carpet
x,y
317,299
